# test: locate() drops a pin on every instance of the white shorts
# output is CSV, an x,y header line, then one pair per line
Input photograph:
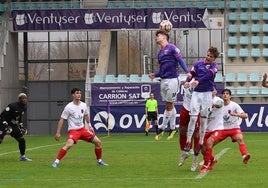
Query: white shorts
x,y
201,102
169,89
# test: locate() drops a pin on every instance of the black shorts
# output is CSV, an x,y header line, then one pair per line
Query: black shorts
x,y
151,116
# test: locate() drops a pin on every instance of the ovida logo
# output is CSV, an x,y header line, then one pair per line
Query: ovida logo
x,y
104,120
89,18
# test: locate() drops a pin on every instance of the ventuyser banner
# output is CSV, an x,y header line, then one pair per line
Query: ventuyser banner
x,y
81,19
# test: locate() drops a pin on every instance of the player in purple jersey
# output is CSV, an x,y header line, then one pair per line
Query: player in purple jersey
x,y
203,73
169,59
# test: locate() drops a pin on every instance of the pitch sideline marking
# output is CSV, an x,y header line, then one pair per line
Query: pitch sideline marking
x,y
201,175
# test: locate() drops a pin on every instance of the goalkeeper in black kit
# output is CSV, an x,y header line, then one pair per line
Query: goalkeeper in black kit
x,y
11,123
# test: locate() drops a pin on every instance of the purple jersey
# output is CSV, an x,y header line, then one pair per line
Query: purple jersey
x,y
169,59
205,74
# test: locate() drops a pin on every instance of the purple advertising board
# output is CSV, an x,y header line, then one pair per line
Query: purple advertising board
x,y
84,19
126,94
131,119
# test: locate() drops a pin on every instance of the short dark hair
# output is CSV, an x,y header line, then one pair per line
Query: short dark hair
x,y
226,90
163,33
75,90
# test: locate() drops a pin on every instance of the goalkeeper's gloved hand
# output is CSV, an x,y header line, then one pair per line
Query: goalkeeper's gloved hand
x,y
22,128
8,129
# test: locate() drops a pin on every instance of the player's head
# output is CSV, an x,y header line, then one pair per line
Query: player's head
x,y
74,90
151,95
22,98
212,54
161,33
226,94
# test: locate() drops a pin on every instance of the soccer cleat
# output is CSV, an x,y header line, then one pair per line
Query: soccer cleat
x,y
194,164
212,163
187,146
204,169
184,156
101,163
246,158
55,165
171,134
159,134
24,158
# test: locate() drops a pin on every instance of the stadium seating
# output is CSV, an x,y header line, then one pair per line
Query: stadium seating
x,y
244,29
230,77
255,53
110,78
243,40
244,5
264,91
244,17
232,41
243,52
255,4
265,52
233,5
242,77
265,40
265,28
255,40
145,78
98,79
122,78
134,78
241,90
232,29
253,90
233,17
255,28
218,78
254,77
232,53
255,16
265,16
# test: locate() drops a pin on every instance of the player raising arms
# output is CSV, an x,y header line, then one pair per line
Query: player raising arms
x,y
169,59
75,113
203,73
231,114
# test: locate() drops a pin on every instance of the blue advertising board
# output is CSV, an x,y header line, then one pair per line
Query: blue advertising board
x,y
131,119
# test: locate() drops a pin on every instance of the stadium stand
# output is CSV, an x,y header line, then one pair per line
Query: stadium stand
x,y
98,78
134,78
122,78
110,78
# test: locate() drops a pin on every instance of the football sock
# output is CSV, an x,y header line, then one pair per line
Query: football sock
x,y
98,153
203,127
166,119
172,120
61,154
191,128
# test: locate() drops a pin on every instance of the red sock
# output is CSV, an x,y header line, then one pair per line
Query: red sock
x,y
208,155
183,139
243,149
196,143
98,153
61,154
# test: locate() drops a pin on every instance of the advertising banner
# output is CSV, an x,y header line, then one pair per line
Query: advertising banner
x,y
84,19
131,119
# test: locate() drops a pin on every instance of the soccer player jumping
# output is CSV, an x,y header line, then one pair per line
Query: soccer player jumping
x,y
169,59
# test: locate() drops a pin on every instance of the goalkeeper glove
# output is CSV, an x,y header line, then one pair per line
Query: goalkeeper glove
x,y
8,129
22,128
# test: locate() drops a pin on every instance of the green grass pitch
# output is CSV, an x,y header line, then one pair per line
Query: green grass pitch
x,y
135,160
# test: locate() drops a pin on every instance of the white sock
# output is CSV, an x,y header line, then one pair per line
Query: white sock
x,y
202,131
166,119
172,120
191,128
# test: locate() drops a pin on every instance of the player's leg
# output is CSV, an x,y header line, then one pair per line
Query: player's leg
x,y
69,143
17,134
242,147
184,120
98,150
